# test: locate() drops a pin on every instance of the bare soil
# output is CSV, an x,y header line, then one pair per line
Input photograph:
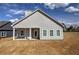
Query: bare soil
x,y
68,46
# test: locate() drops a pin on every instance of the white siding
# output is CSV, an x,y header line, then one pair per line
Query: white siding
x,y
54,37
38,20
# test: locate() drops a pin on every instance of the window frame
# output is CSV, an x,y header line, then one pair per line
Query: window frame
x,y
52,32
44,32
58,33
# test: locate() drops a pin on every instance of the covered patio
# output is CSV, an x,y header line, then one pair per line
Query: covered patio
x,y
26,33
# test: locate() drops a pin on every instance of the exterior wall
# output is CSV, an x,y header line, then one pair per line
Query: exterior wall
x,y
8,33
54,37
38,20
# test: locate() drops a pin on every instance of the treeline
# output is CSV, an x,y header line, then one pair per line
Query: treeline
x,y
71,28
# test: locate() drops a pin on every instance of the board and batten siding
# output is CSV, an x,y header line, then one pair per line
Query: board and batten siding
x,y
38,20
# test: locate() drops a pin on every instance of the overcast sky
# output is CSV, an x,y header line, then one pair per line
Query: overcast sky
x,y
62,12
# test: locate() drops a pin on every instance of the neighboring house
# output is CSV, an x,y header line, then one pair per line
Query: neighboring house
x,y
64,27
37,25
5,29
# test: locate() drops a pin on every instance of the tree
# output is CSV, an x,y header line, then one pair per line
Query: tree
x,y
70,28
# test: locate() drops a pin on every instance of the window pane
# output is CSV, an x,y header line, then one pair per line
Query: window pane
x,y
58,32
2,34
51,32
44,32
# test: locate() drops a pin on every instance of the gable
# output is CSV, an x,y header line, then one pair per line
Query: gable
x,y
37,19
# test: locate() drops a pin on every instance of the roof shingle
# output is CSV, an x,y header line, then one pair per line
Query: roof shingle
x,y
5,25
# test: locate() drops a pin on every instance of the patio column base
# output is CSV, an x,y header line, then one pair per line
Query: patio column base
x,y
25,38
29,38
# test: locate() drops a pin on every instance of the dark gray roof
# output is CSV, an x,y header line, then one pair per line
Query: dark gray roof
x,y
2,23
5,25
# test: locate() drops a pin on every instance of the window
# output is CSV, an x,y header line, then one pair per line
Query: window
x,y
3,34
44,33
51,32
22,33
58,32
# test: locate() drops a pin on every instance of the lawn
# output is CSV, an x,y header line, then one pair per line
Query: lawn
x,y
70,45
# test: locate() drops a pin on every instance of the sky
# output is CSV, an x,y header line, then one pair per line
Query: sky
x,y
62,12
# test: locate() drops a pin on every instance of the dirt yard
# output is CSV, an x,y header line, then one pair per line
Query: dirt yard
x,y
68,46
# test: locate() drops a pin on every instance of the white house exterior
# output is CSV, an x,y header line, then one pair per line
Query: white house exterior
x,y
37,25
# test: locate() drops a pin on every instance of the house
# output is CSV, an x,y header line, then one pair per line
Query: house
x,y
38,25
64,27
5,29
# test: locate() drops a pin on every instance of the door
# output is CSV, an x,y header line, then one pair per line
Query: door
x,y
36,33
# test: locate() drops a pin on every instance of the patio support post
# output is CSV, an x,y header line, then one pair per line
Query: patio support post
x,y
13,33
29,33
25,33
